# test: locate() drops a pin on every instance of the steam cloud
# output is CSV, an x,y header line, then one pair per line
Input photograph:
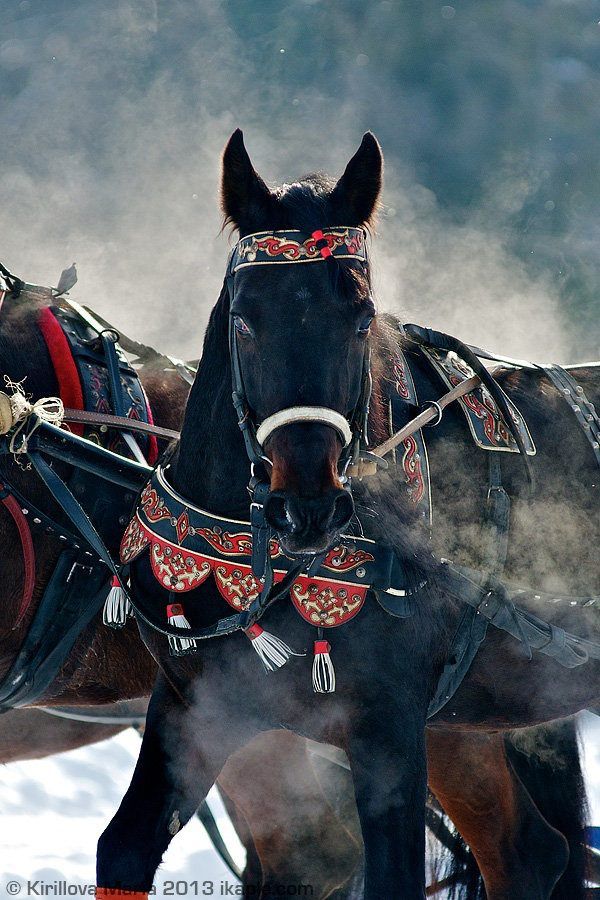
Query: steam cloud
x,y
113,120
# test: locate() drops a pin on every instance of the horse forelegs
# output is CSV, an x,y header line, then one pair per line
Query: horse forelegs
x,y
520,856
172,776
390,782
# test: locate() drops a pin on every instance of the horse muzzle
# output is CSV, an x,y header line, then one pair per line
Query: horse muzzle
x,y
308,525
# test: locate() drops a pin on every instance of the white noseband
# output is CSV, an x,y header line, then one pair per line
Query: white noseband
x,y
305,414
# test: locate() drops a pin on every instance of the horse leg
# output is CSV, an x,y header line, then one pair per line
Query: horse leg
x,y
387,759
174,772
298,837
520,856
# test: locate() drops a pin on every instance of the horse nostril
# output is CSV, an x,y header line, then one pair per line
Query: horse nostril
x,y
277,513
343,510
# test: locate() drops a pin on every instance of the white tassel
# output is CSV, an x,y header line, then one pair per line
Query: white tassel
x,y
178,646
323,673
273,652
116,606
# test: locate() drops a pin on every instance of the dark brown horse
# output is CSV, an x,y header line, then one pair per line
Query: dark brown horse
x,y
302,336
106,665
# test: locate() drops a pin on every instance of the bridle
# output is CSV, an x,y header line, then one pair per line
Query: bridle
x,y
288,247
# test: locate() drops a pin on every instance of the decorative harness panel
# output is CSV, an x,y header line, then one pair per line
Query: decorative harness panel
x,y
187,544
486,423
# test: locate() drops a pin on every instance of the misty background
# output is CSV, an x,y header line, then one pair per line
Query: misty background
x,y
113,114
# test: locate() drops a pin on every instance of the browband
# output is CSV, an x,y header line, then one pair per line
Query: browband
x,y
305,414
269,247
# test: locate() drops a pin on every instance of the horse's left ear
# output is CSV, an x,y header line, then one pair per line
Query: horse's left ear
x,y
354,198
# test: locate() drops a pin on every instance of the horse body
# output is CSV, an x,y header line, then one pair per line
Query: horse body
x,y
101,667
205,708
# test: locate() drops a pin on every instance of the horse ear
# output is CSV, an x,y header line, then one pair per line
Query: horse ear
x,y
244,195
355,196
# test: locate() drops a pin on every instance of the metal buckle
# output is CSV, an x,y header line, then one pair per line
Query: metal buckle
x,y
437,408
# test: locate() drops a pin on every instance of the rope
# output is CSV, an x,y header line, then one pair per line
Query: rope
x,y
28,416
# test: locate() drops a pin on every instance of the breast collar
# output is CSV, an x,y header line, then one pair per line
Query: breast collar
x,y
187,545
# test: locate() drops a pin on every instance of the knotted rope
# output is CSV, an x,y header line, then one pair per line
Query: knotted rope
x,y
19,413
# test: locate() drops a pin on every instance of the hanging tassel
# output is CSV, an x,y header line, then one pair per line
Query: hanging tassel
x,y
116,606
179,646
273,652
323,673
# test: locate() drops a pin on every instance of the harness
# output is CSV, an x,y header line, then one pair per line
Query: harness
x,y
94,376
187,545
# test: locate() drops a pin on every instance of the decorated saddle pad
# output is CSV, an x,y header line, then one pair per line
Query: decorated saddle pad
x,y
485,421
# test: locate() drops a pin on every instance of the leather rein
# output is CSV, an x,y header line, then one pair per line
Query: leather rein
x,y
431,414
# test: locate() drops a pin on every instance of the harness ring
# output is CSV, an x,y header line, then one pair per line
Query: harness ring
x,y
438,409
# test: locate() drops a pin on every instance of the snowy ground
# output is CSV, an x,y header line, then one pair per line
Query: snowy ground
x,y
52,811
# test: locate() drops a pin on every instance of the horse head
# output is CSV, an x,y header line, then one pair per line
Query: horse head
x,y
300,318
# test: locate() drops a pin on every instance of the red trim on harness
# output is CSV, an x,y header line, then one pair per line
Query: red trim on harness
x,y
319,236
18,517
174,609
321,647
69,385
108,893
254,631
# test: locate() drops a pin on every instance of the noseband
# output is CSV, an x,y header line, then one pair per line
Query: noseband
x,y
305,414
285,247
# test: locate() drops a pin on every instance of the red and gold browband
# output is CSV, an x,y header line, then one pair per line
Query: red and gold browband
x,y
268,247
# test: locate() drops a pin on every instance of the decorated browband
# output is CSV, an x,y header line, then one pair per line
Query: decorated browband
x,y
268,247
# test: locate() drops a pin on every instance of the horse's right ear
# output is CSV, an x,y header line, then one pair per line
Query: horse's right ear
x,y
244,195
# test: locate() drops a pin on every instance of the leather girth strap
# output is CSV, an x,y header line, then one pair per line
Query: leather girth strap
x,y
472,627
20,520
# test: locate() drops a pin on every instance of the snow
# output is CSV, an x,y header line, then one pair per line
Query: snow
x,y
53,810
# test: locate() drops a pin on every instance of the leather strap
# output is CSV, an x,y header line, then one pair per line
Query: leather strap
x,y
428,415
584,411
497,519
20,520
73,595
122,422
108,340
472,628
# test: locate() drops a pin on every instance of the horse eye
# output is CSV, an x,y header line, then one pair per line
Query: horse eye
x,y
240,325
364,326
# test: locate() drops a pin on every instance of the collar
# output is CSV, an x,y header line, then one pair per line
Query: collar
x,y
188,545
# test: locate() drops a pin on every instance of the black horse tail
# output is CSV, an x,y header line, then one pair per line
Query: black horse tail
x,y
547,762
553,777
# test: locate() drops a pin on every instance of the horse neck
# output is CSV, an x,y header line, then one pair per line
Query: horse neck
x,y
210,466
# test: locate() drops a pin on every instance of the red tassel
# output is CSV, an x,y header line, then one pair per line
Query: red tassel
x,y
323,673
176,617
